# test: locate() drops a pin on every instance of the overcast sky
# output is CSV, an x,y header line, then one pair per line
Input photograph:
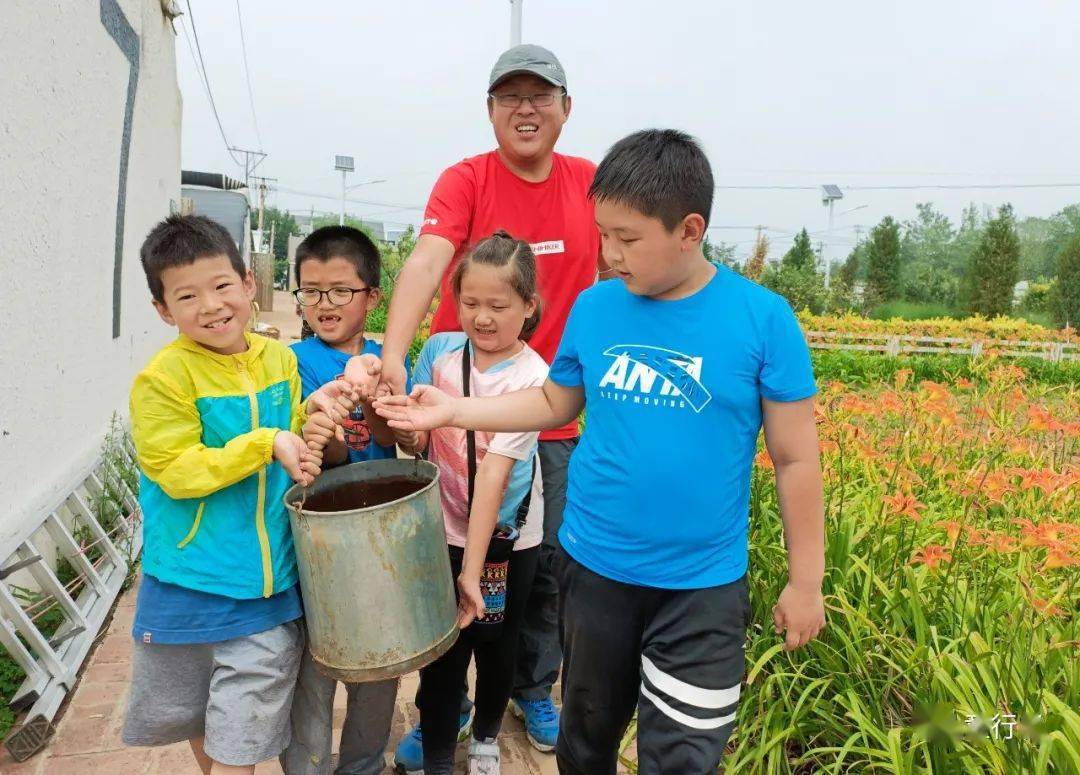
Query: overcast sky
x,y
780,93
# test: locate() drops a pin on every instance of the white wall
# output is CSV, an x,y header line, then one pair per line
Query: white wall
x,y
63,94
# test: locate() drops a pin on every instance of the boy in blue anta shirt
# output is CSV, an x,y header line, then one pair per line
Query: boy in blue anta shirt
x,y
337,273
679,365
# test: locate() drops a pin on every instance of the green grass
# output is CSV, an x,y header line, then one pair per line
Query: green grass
x,y
861,368
1038,318
913,310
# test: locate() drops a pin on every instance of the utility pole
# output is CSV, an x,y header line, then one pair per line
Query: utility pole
x,y
829,194
252,159
262,205
515,22
344,164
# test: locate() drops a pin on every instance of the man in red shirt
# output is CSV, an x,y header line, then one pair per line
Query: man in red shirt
x,y
540,196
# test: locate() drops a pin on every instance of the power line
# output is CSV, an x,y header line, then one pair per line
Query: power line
x,y
829,173
206,82
912,187
962,186
247,75
317,195
769,188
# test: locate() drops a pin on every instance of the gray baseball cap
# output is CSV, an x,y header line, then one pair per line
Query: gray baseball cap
x,y
528,58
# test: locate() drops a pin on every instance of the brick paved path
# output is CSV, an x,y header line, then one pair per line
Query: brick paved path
x,y
87,741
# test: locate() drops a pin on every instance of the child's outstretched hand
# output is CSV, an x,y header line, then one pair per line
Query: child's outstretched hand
x,y
425,409
334,399
299,462
319,429
470,601
363,372
801,613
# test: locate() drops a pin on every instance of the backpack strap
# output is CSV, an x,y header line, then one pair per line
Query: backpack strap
x,y
470,436
470,443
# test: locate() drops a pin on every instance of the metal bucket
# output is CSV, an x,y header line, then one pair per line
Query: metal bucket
x,y
378,593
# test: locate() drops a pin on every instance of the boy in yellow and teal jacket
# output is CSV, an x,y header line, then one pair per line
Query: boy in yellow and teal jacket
x,y
215,421
204,427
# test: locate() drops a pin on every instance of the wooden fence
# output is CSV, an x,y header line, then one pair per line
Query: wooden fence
x,y
897,344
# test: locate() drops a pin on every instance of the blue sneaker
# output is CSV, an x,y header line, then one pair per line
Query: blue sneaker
x,y
541,721
409,754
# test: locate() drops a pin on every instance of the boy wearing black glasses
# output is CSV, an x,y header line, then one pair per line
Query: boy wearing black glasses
x,y
337,272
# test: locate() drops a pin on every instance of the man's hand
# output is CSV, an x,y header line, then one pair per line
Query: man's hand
x,y
334,399
393,377
299,462
801,612
407,440
425,409
362,372
470,601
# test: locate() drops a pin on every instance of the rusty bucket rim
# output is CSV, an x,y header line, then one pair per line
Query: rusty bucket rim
x,y
290,505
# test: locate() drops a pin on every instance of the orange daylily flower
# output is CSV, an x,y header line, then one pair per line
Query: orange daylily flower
x,y
828,445
1046,480
1041,419
1045,607
931,555
952,529
891,402
762,460
996,487
1060,556
999,543
937,391
904,504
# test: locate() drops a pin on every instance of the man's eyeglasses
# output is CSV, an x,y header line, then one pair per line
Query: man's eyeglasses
x,y
538,100
339,297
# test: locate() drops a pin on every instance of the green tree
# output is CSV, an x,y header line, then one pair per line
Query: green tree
x,y
883,262
994,266
1042,239
1065,296
854,266
803,287
720,253
1038,258
795,276
356,223
801,256
927,273
967,237
281,224
842,295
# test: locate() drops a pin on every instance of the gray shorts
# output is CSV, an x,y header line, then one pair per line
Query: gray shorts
x,y
236,693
